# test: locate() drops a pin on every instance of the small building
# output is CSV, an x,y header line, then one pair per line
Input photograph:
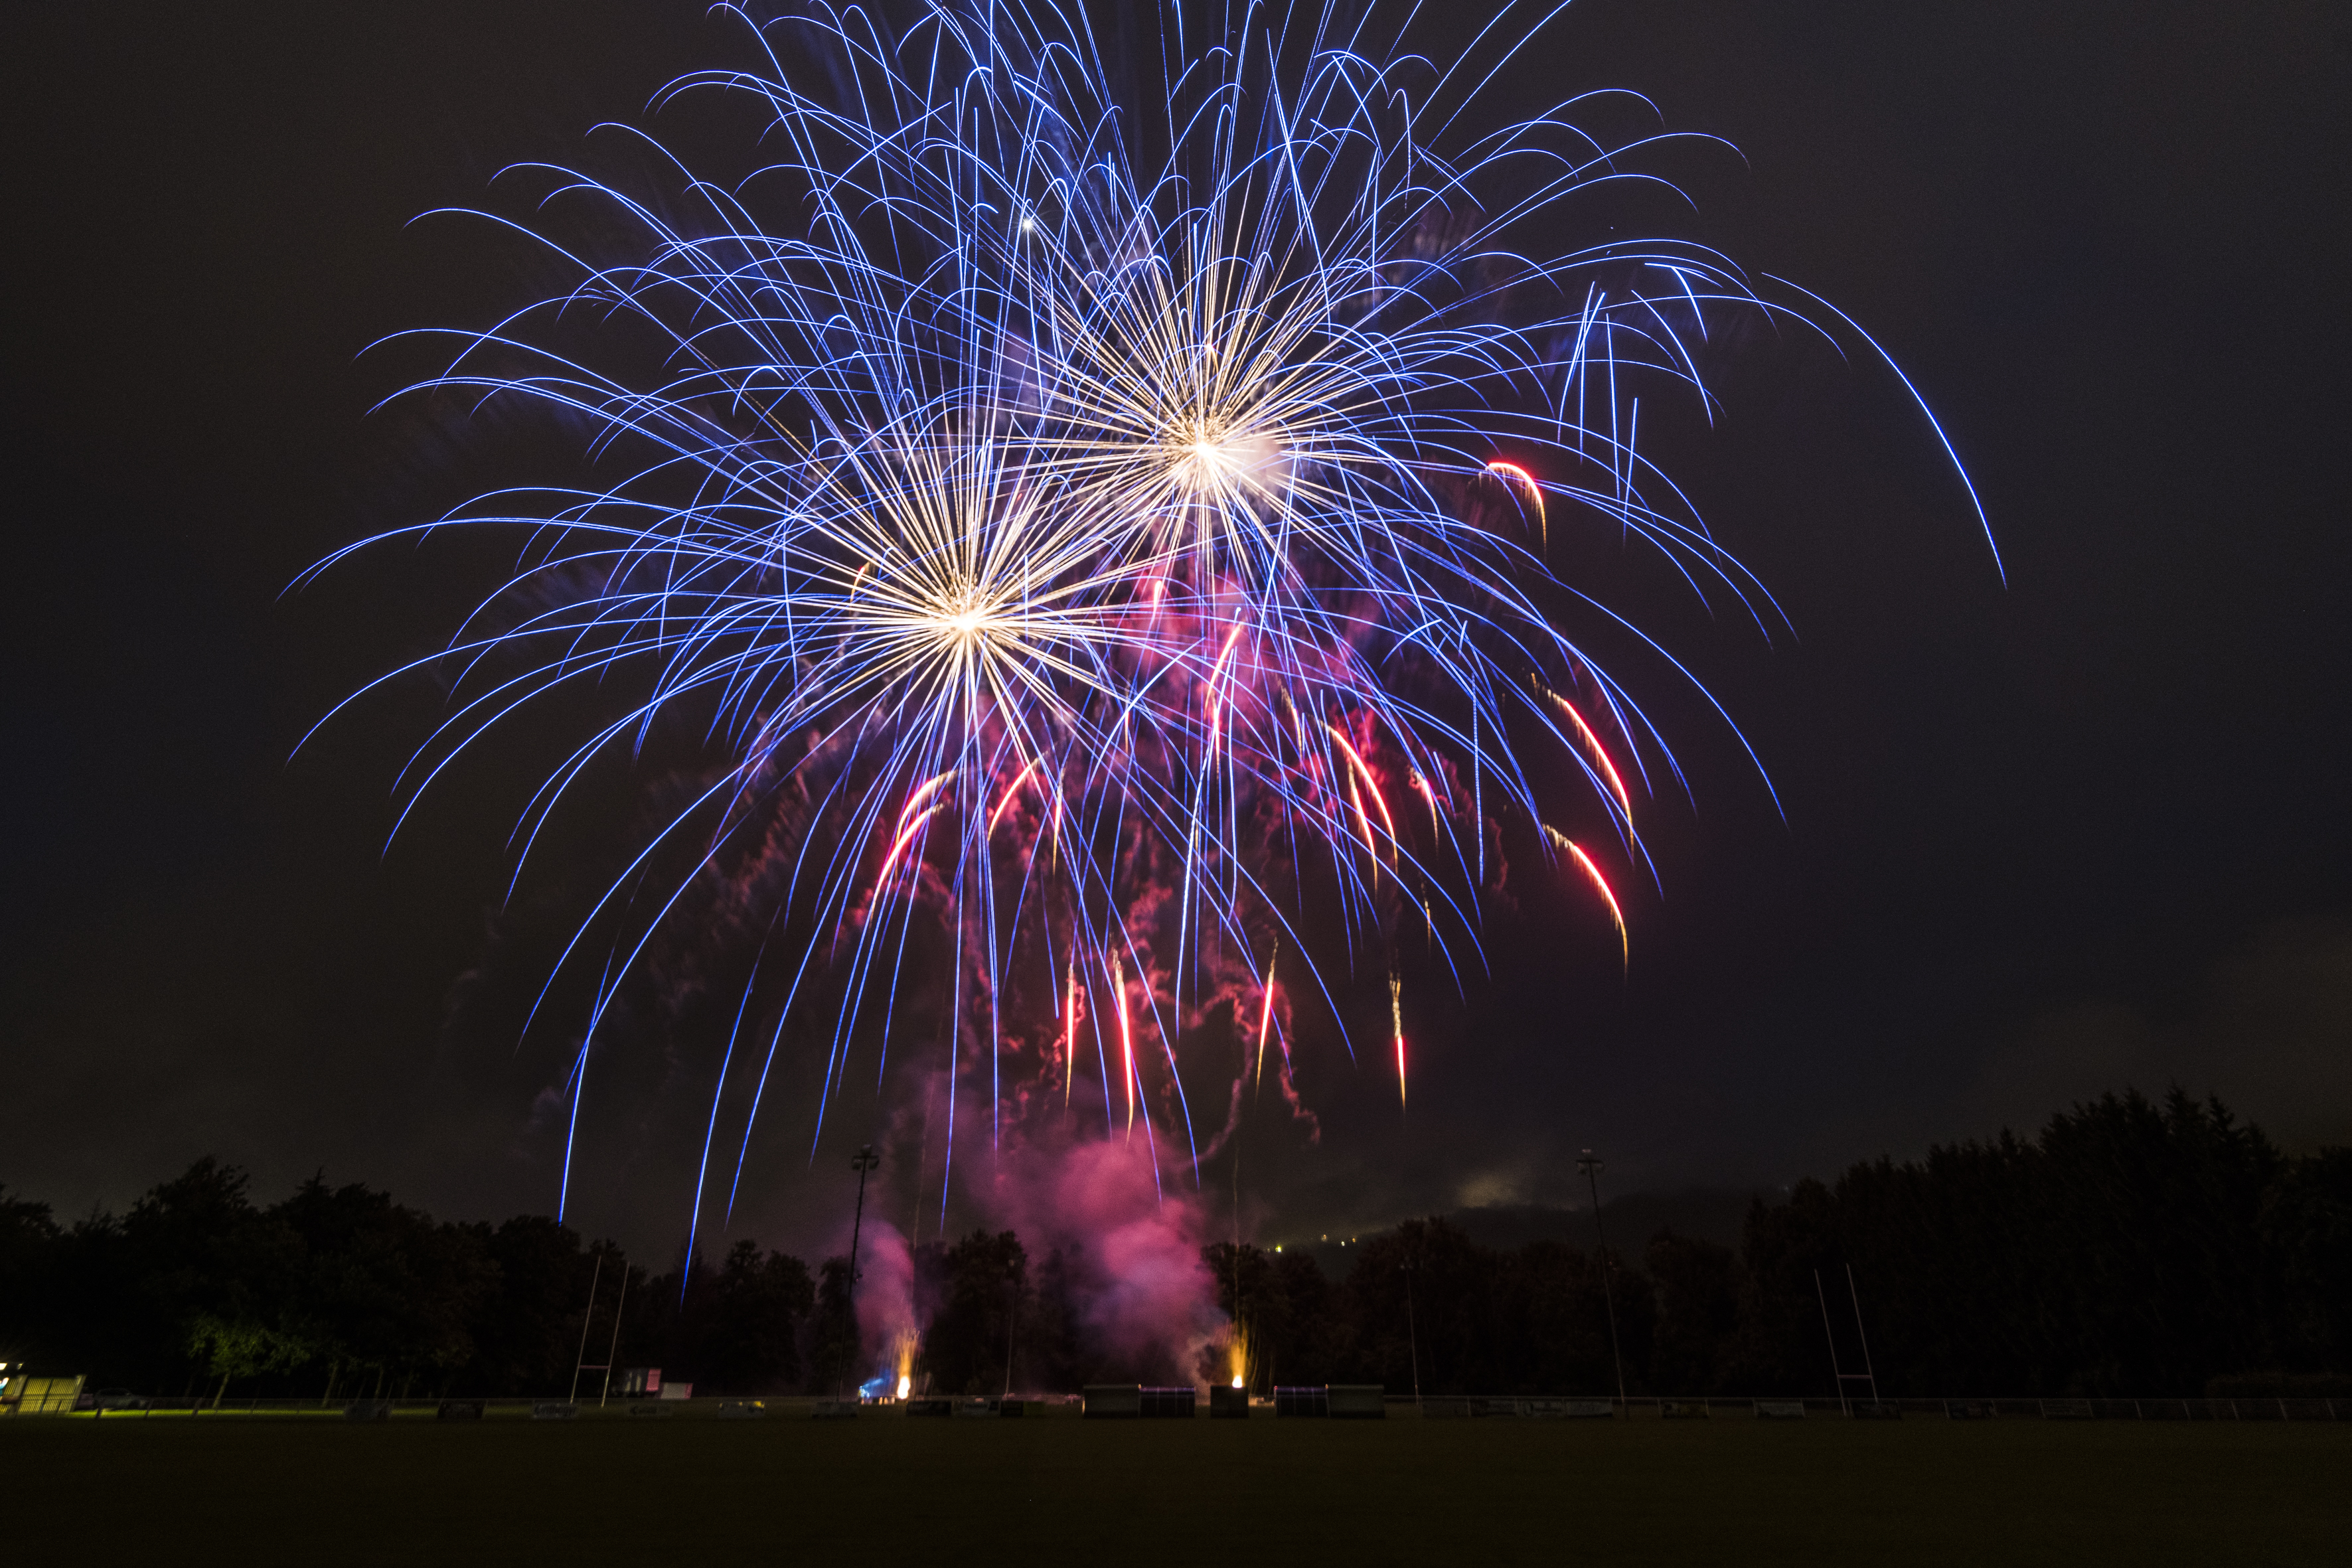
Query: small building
x,y
41,1395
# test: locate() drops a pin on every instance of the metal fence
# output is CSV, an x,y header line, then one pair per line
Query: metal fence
x,y
1433,1408
1666,1409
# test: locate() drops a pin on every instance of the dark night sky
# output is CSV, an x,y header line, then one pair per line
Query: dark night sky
x,y
2040,841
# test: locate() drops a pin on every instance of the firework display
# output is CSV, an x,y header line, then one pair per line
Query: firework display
x,y
1106,546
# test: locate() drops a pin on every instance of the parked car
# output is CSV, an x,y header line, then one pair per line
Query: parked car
x,y
121,1399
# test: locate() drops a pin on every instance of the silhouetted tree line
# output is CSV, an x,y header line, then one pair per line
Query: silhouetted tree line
x,y
342,1292
2130,1249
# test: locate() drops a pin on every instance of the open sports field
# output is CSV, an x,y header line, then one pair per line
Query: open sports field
x,y
881,1488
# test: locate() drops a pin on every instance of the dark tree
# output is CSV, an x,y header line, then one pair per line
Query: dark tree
x,y
834,1356
1297,1325
734,1329
2132,1248
760,1300
384,1291
1058,1346
1695,1286
30,1242
211,1286
981,1281
2308,1232
524,1326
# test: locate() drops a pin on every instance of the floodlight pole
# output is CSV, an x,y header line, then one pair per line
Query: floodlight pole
x,y
865,1160
1589,1167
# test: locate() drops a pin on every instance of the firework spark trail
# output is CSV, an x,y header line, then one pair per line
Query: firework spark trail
x,y
996,488
1599,885
1396,1025
1266,1014
1599,755
1528,482
1070,1032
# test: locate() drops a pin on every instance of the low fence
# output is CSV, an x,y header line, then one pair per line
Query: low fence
x,y
134,1407
1431,1407
2265,1409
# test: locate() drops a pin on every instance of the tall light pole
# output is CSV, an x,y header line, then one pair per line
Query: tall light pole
x,y
865,1160
1590,1168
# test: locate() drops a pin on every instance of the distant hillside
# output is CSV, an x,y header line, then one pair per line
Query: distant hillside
x,y
1710,1214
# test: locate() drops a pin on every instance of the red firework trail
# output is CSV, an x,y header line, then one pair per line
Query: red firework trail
x,y
1600,883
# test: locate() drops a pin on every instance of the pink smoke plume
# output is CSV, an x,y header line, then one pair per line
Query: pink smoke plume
x,y
886,1292
1132,1241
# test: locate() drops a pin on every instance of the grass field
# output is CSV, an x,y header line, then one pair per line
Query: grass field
x,y
881,1489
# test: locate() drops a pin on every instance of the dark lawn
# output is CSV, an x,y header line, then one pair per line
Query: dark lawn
x,y
882,1489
